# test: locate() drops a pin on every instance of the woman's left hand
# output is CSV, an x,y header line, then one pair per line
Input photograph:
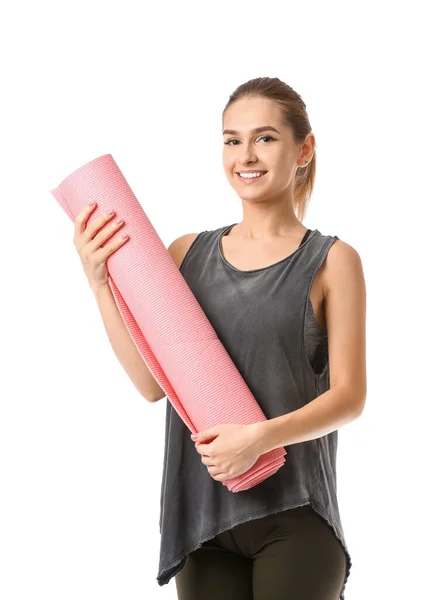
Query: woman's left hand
x,y
234,449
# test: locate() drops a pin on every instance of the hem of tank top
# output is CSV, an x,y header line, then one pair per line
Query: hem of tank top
x,y
223,230
316,377
171,569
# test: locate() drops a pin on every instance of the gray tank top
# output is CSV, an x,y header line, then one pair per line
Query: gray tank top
x,y
265,320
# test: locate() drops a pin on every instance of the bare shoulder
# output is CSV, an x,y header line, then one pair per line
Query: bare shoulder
x,y
343,266
179,247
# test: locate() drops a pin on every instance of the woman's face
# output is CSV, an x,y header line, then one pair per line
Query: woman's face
x,y
246,150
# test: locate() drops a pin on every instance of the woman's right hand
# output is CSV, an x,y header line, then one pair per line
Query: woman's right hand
x,y
88,239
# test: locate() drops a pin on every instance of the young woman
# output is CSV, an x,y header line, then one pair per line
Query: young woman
x,y
282,299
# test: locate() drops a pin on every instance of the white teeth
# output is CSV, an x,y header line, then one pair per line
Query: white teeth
x,y
250,175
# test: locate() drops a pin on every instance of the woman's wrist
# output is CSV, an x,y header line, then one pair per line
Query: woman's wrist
x,y
99,288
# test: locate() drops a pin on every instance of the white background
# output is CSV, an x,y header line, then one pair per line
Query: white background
x,y
80,450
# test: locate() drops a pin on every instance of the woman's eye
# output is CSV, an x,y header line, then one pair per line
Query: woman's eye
x,y
228,143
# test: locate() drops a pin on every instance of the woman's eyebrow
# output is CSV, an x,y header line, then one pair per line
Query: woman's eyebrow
x,y
256,130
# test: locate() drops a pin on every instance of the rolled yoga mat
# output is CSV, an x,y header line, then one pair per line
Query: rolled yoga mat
x,y
168,326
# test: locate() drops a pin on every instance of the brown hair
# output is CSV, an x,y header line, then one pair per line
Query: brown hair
x,y
294,114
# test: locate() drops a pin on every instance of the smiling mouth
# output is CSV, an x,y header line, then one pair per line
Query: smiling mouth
x,y
251,179
244,172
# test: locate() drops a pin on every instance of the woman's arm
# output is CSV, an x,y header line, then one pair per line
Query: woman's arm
x,y
124,347
120,338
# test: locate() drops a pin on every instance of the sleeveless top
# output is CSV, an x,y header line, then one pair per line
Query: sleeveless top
x,y
265,320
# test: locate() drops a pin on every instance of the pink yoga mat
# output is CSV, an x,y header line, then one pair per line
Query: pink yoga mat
x,y
166,322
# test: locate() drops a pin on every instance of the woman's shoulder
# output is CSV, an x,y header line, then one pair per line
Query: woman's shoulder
x,y
180,246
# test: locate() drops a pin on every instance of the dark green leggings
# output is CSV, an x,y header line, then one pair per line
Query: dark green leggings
x,y
290,555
